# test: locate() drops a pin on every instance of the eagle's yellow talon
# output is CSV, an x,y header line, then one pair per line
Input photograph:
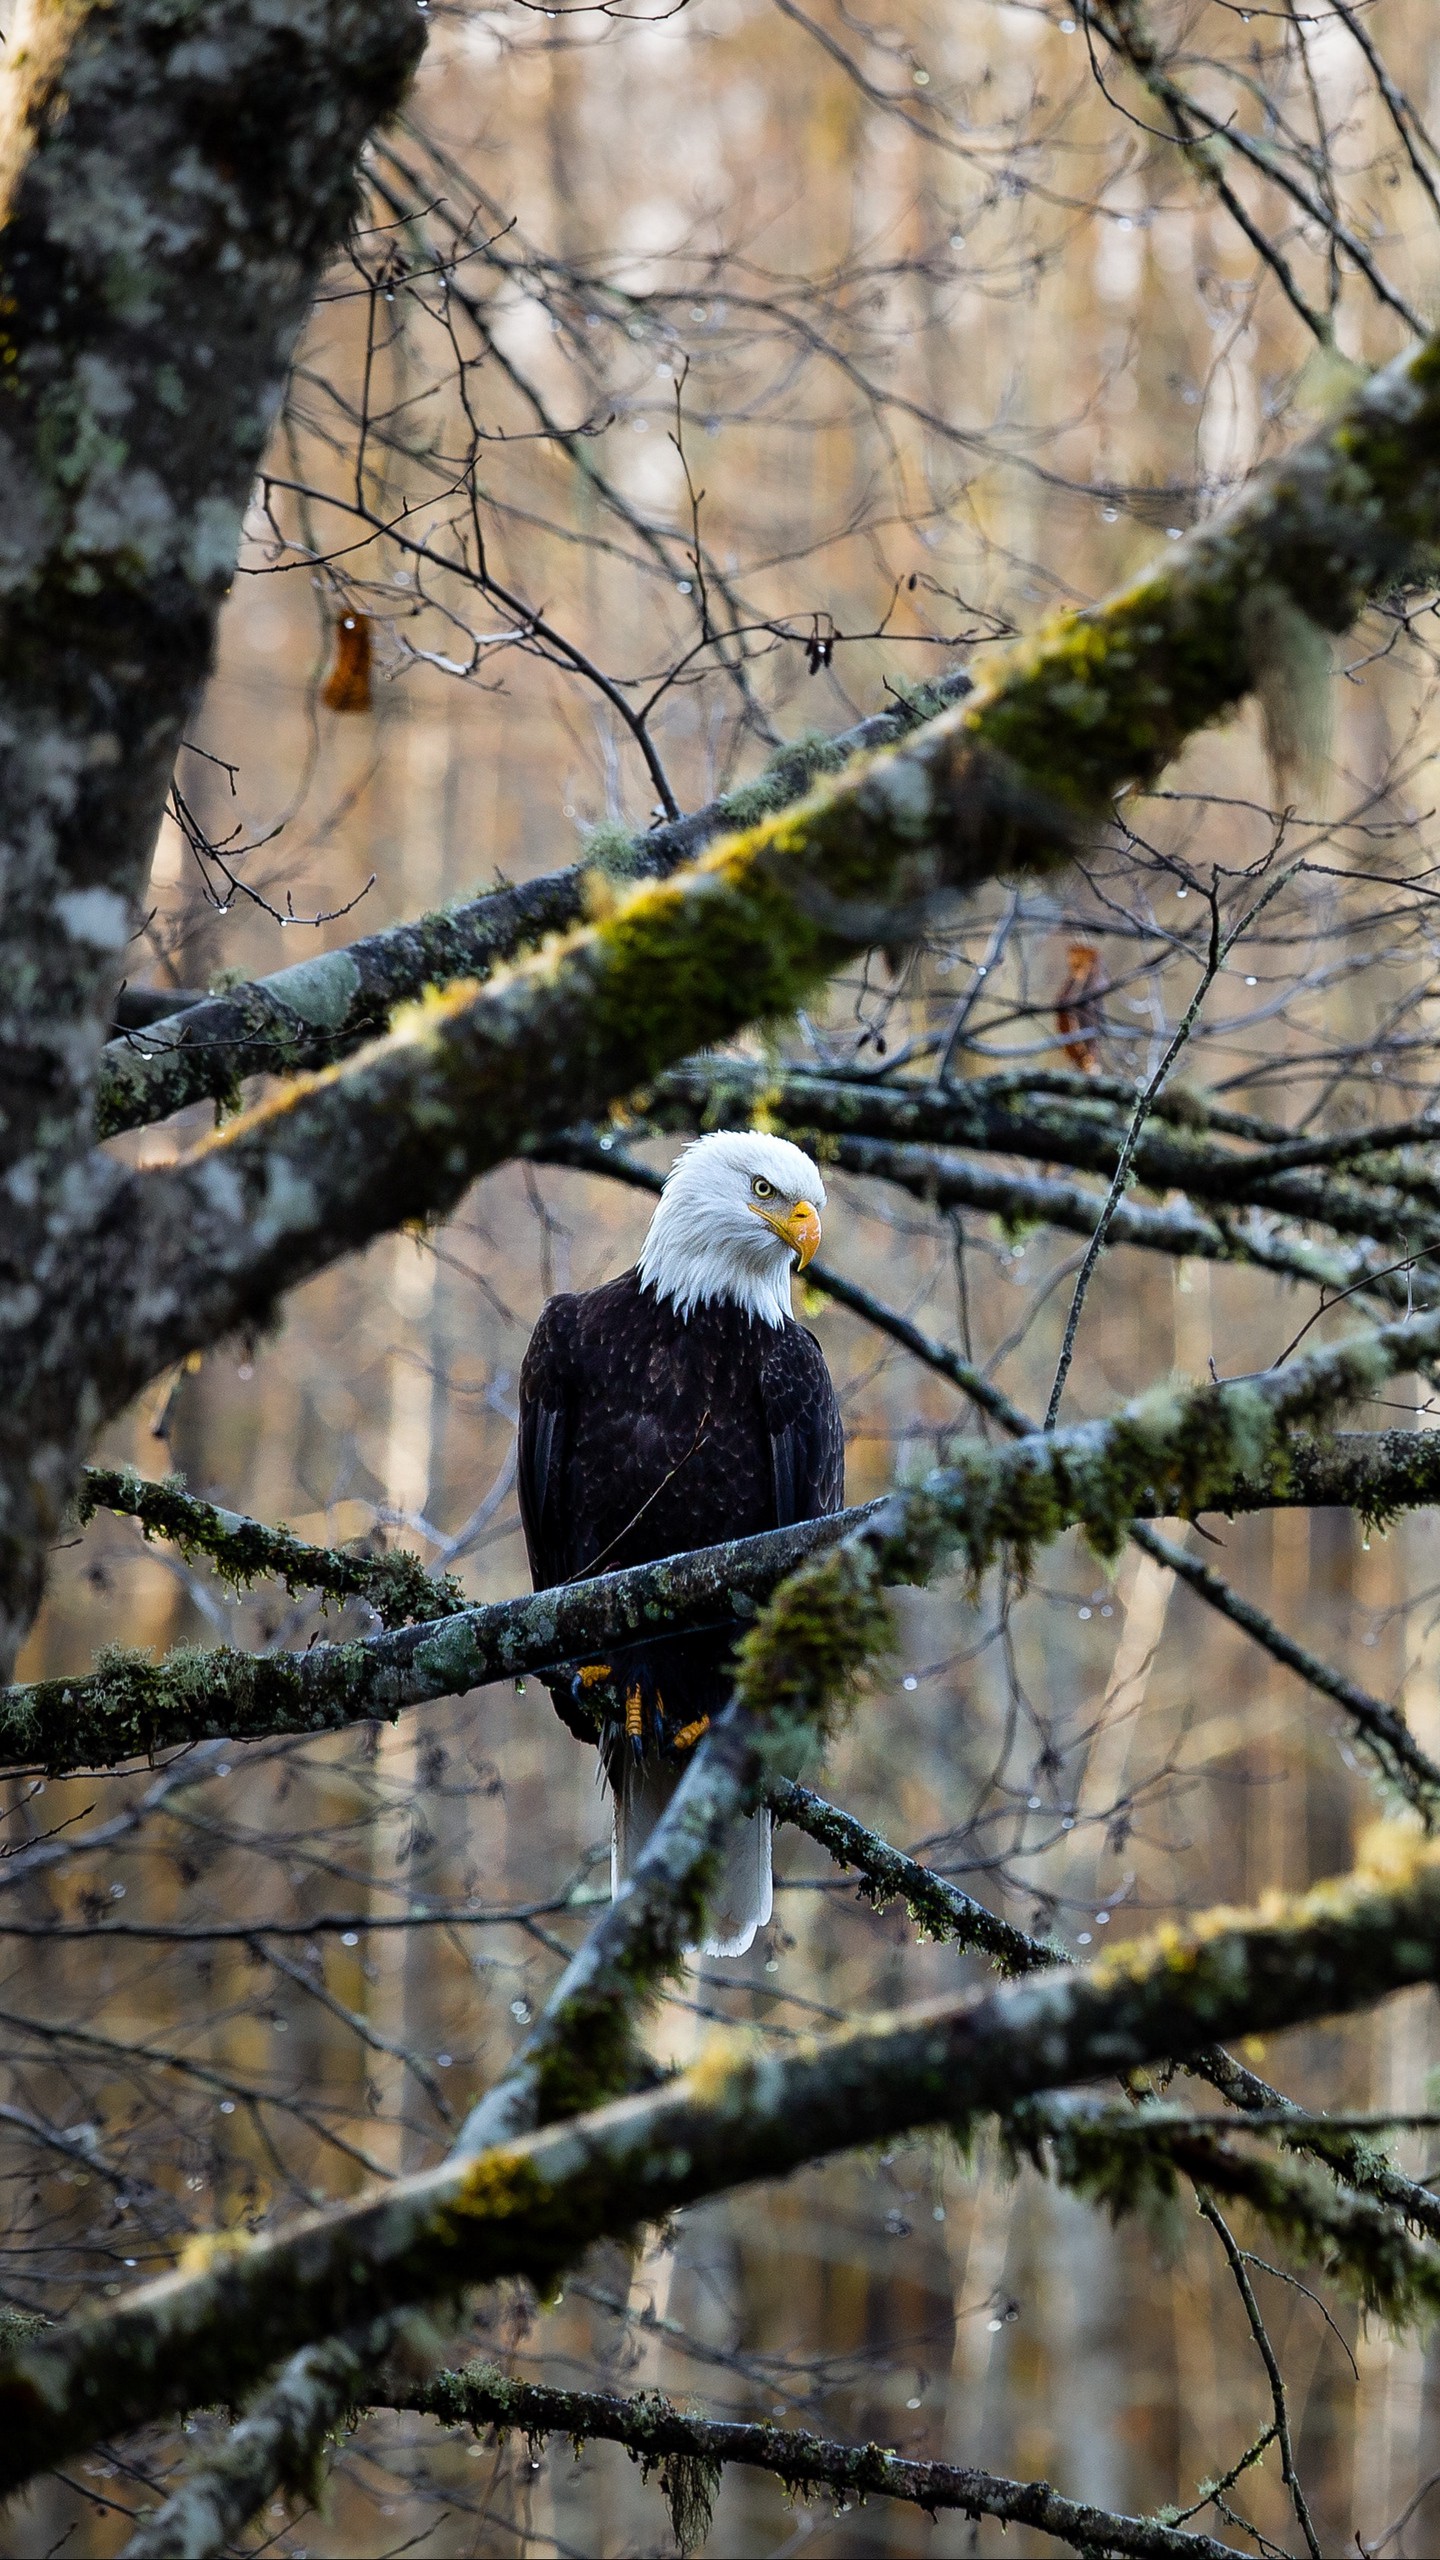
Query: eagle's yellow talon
x,y
634,1716
590,1672
690,1733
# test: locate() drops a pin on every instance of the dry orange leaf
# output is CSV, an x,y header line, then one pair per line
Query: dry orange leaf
x,y
1077,1007
347,686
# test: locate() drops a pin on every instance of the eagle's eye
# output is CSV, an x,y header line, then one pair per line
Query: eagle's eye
x,y
762,1189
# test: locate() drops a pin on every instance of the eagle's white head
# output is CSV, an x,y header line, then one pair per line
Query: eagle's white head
x,y
738,1211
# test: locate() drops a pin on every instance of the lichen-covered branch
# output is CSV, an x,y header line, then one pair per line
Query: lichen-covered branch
x,y
324,1008
239,2304
943,1911
1131,2160
1002,781
940,1909
130,1706
1378,1194
244,1551
273,2445
656,2433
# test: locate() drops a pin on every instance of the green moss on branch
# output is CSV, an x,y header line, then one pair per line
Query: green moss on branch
x,y
238,2307
656,2433
1131,2161
1001,782
243,1551
322,1009
1223,1449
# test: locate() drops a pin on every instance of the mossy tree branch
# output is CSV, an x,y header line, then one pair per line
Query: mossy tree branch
x,y
657,2435
274,2445
130,1706
244,1551
584,2047
943,1911
241,2304
325,1008
1378,1193
1002,781
1132,2160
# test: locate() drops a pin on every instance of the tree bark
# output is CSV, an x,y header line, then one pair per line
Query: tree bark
x,y
171,183
1002,781
132,1706
239,2304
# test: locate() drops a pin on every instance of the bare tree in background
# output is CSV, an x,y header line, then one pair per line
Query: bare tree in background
x,y
949,588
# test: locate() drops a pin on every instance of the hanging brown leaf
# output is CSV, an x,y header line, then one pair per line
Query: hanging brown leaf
x,y
347,686
1077,1008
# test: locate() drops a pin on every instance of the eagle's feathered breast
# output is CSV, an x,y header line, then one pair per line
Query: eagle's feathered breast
x,y
643,1433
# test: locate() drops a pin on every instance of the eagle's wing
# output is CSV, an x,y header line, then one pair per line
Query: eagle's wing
x,y
802,1416
547,1392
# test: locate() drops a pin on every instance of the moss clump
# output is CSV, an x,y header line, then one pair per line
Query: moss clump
x,y
590,2052
803,1662
1127,2163
688,2484
242,1551
614,849
915,703
503,2186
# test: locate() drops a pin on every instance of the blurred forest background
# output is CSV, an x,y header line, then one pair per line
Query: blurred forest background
x,y
868,338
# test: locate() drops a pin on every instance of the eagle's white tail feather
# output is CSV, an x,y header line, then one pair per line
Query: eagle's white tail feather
x,y
743,1895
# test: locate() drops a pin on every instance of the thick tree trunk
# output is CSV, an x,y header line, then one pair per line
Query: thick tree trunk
x,y
171,182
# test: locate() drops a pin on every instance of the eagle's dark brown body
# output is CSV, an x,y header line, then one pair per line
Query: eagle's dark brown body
x,y
643,1433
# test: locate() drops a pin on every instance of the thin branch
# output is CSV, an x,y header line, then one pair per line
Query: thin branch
x,y
1276,2379
243,1551
1124,22
532,2206
1133,42
1220,947
1006,778
654,2431
1377,1725
937,1907
326,1007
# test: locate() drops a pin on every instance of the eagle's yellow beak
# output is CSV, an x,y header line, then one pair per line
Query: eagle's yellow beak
x,y
800,1229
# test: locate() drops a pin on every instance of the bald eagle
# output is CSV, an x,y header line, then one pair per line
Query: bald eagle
x,y
677,1406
